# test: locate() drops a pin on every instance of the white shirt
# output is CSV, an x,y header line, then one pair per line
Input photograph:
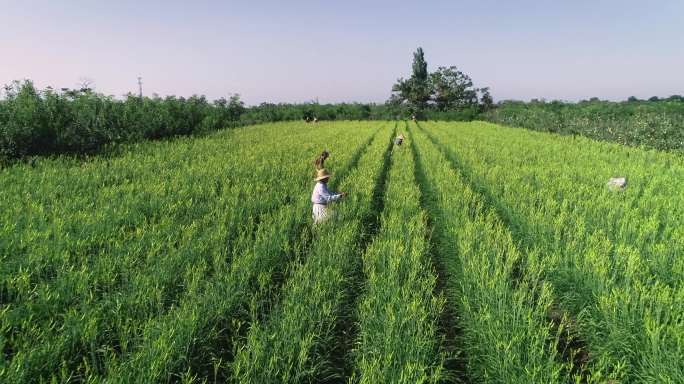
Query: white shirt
x,y
321,194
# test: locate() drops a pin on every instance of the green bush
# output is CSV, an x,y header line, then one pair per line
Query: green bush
x,y
34,122
655,124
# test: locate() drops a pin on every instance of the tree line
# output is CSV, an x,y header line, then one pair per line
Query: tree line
x,y
40,122
49,121
79,121
654,123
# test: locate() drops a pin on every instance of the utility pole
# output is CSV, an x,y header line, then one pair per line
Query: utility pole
x,y
140,87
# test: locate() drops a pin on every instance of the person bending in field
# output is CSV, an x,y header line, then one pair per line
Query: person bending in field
x,y
399,139
321,197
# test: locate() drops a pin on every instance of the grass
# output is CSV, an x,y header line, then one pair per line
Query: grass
x,y
472,253
505,335
296,344
398,341
609,257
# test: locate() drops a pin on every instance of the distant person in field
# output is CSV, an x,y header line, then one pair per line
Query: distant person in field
x,y
319,163
321,197
399,139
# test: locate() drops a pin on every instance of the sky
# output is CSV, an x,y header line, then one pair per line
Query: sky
x,y
344,51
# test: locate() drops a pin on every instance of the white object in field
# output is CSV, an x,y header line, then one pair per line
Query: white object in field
x,y
617,183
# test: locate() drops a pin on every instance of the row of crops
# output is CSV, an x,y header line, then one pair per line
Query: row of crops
x,y
612,261
122,267
471,253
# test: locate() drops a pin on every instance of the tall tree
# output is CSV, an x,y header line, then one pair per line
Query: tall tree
x,y
486,100
421,80
416,90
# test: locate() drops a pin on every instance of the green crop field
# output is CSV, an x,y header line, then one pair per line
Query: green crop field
x,y
472,253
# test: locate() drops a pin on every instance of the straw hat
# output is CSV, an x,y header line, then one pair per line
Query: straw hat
x,y
322,174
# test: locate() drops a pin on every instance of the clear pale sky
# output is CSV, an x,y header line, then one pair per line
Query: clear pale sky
x,y
294,51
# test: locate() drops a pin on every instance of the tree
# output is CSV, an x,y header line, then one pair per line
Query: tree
x,y
486,100
452,89
421,81
235,107
415,91
445,90
396,106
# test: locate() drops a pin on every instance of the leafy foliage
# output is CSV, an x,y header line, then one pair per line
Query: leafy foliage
x,y
34,122
452,89
655,124
445,90
79,121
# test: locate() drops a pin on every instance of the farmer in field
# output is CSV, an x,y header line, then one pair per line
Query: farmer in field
x,y
399,139
322,197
